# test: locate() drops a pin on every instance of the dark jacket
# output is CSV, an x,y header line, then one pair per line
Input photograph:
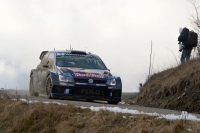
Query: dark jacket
x,y
186,45
184,41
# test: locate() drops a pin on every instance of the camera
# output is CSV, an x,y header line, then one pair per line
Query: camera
x,y
181,46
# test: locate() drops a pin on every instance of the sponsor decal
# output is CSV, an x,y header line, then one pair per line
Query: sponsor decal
x,y
63,83
69,54
87,91
87,71
78,70
82,55
89,75
100,85
60,54
81,83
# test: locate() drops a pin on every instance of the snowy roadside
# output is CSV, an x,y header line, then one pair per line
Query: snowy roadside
x,y
183,115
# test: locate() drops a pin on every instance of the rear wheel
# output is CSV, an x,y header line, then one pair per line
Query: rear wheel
x,y
32,89
113,102
48,88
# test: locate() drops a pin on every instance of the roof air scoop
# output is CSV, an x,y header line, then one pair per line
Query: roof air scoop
x,y
78,52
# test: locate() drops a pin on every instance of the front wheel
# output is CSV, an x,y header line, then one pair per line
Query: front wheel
x,y
48,88
32,88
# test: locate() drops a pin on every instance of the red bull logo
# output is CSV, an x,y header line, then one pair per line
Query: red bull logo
x,y
89,75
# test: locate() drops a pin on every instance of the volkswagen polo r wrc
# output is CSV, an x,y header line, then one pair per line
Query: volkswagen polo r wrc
x,y
74,74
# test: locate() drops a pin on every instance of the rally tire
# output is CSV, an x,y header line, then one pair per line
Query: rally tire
x,y
48,87
32,88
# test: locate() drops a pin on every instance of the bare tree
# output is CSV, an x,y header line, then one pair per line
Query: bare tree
x,y
195,21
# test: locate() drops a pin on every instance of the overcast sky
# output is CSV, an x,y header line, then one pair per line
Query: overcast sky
x,y
119,31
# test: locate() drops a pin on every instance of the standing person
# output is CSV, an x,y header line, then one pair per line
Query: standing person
x,y
186,48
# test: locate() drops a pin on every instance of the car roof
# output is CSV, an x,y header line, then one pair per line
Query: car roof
x,y
68,51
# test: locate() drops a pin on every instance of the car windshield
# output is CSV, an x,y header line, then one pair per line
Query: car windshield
x,y
84,61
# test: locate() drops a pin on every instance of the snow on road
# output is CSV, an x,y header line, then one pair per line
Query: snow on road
x,y
183,115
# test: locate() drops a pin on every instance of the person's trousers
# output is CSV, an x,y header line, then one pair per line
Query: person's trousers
x,y
186,53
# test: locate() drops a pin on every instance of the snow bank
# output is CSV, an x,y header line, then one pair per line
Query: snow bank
x,y
183,116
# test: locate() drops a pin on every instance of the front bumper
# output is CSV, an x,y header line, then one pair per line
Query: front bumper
x,y
103,98
91,92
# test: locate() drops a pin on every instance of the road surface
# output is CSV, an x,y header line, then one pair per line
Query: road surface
x,y
42,98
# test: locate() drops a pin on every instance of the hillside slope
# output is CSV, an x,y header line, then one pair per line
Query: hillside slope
x,y
23,117
176,88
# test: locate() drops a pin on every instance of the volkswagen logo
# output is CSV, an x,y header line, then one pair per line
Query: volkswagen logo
x,y
90,81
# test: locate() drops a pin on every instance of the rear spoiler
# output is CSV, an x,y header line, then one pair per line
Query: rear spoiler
x,y
42,54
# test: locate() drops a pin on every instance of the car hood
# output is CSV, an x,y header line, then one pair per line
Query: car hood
x,y
85,73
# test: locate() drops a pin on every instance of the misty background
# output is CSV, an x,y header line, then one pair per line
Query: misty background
x,y
119,31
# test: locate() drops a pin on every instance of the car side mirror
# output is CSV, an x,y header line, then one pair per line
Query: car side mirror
x,y
46,66
109,70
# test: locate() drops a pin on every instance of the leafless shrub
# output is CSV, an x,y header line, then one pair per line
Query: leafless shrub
x,y
4,94
195,21
13,95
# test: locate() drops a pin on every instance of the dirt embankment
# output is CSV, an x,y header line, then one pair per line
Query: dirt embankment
x,y
176,88
22,117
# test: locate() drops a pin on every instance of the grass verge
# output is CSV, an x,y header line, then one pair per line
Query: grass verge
x,y
23,117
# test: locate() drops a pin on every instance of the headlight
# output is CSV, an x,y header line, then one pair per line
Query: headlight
x,y
111,82
65,78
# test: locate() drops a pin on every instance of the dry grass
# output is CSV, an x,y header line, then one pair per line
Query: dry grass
x,y
129,101
176,88
22,117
